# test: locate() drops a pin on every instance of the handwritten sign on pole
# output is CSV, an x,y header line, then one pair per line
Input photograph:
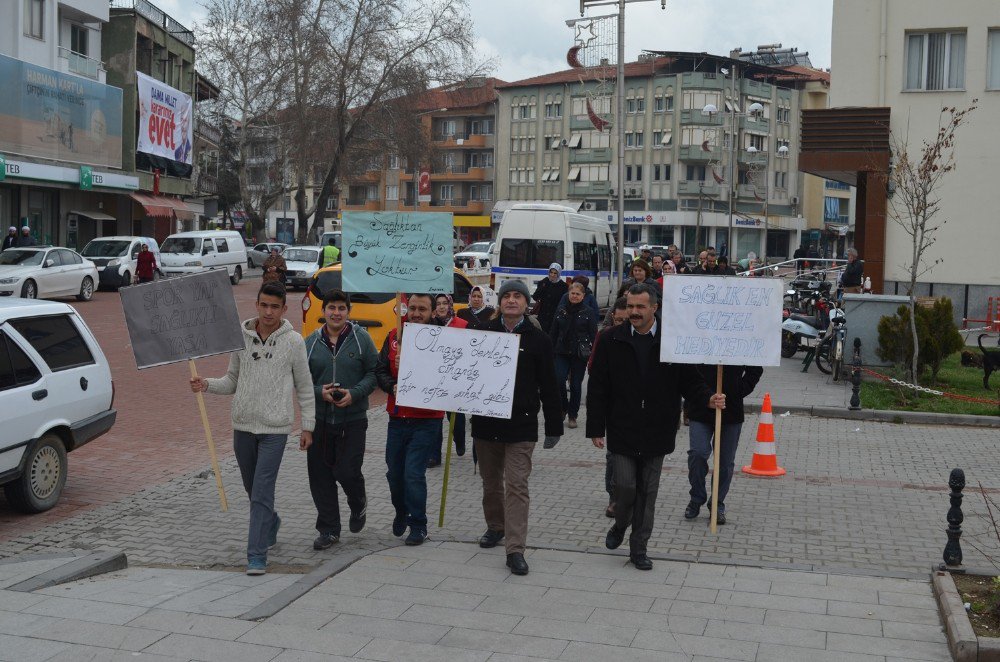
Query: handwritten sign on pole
x,y
449,369
723,320
177,319
398,252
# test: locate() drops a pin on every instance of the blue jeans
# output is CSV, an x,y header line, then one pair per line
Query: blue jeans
x,y
702,435
408,444
259,457
575,368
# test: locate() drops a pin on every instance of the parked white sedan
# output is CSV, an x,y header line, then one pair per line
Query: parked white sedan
x,y
44,272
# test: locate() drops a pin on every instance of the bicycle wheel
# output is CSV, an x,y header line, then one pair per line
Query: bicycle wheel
x,y
822,357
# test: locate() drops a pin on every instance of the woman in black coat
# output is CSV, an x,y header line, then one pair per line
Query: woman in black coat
x,y
478,314
572,332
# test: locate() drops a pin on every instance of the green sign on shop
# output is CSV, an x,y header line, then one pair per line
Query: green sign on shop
x,y
3,167
86,178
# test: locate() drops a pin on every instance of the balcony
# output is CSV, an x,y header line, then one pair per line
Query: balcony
x,y
81,65
464,139
157,17
755,88
836,186
756,124
361,204
702,81
590,155
457,205
584,189
750,191
695,186
752,158
696,154
695,116
459,173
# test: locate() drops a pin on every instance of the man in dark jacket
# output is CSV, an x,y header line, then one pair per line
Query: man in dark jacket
x,y
26,239
737,383
548,294
505,446
851,279
10,241
640,423
342,359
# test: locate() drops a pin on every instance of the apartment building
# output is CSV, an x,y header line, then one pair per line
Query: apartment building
x,y
61,135
704,134
455,174
913,58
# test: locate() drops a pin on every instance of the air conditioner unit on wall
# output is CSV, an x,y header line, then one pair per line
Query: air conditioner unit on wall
x,y
795,200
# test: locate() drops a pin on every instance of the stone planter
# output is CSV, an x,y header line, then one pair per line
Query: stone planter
x,y
965,646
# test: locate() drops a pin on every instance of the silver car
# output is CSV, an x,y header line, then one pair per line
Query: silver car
x,y
46,271
259,253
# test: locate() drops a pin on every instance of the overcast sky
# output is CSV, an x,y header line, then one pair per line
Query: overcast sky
x,y
530,37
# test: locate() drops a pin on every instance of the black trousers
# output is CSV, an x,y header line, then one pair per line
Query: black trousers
x,y
336,456
636,483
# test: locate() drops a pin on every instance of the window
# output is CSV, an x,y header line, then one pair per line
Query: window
x,y
640,105
659,104
629,139
394,162
993,61
574,141
784,115
628,173
525,112
486,192
584,256
530,253
935,61
696,173
666,172
371,192
638,139
56,340
16,369
755,141
447,192
392,192
657,139
531,175
630,106
78,38
656,173
461,290
638,173
34,18
698,100
554,175
553,110
222,245
780,178
331,203
778,144
207,247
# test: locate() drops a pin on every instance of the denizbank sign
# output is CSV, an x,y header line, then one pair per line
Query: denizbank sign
x,y
84,177
642,218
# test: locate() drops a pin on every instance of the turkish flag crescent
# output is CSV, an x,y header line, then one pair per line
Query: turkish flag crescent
x,y
425,183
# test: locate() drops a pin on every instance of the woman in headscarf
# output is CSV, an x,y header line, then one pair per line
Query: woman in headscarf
x,y
572,332
549,292
478,314
444,315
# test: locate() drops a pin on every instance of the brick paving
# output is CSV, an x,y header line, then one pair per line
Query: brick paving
x,y
455,601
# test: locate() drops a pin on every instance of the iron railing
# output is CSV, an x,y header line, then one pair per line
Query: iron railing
x,y
157,16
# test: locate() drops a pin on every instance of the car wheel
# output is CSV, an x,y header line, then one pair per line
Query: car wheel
x,y
157,275
237,275
29,290
789,344
44,477
126,279
86,290
249,263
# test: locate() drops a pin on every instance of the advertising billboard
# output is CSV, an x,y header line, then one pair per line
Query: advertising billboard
x,y
166,127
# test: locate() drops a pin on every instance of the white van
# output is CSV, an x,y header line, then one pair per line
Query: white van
x,y
115,258
534,235
204,250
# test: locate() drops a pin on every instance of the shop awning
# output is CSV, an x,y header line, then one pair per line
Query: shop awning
x,y
181,210
472,221
156,206
93,215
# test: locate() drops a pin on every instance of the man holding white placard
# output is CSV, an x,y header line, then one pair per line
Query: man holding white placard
x,y
505,445
640,422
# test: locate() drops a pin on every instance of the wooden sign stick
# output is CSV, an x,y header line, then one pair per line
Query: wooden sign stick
x,y
211,444
399,319
447,466
715,454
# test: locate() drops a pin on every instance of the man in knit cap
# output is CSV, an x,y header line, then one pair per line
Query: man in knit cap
x,y
262,377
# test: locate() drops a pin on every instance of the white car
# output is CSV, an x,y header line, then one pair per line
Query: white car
x,y
116,259
260,252
203,250
475,255
301,263
40,272
55,394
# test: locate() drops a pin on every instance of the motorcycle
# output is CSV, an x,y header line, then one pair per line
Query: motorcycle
x,y
827,328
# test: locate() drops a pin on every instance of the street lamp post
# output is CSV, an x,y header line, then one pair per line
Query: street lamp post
x,y
619,116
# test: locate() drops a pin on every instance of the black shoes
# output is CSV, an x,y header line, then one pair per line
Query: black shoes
x,y
416,537
460,447
490,539
614,538
357,521
517,564
641,562
399,525
720,517
692,510
325,541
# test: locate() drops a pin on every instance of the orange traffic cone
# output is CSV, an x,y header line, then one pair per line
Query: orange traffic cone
x,y
765,460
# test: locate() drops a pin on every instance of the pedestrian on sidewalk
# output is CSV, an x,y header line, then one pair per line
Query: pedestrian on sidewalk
x,y
262,376
10,241
444,315
342,359
145,264
478,314
618,315
547,295
274,267
640,423
573,331
588,297
331,254
505,445
412,435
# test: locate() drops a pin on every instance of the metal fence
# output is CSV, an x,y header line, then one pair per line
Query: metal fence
x,y
157,16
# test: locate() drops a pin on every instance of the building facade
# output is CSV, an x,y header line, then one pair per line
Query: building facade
x,y
703,134
916,57
61,123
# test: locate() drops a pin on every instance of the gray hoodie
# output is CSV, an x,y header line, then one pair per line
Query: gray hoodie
x,y
262,377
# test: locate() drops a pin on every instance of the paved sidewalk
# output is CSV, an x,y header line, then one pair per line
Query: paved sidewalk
x,y
790,387
456,602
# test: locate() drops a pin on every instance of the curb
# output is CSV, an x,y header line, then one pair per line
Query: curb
x,y
83,567
888,415
962,641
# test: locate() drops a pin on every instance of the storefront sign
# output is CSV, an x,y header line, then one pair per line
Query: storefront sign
x,y
86,178
747,222
47,173
52,115
165,120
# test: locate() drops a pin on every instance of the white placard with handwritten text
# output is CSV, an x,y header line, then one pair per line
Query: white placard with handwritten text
x,y
449,369
721,319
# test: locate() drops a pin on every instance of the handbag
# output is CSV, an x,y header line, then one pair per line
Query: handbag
x,y
584,348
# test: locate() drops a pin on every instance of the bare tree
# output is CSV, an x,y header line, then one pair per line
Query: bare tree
x,y
915,180
237,51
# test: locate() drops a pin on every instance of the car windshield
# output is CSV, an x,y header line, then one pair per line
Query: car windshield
x,y
181,245
22,258
112,248
300,255
478,247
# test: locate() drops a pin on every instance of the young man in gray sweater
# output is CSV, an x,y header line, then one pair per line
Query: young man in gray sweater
x,y
262,377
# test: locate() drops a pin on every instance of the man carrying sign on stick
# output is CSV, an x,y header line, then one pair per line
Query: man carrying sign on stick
x,y
505,446
640,423
262,376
